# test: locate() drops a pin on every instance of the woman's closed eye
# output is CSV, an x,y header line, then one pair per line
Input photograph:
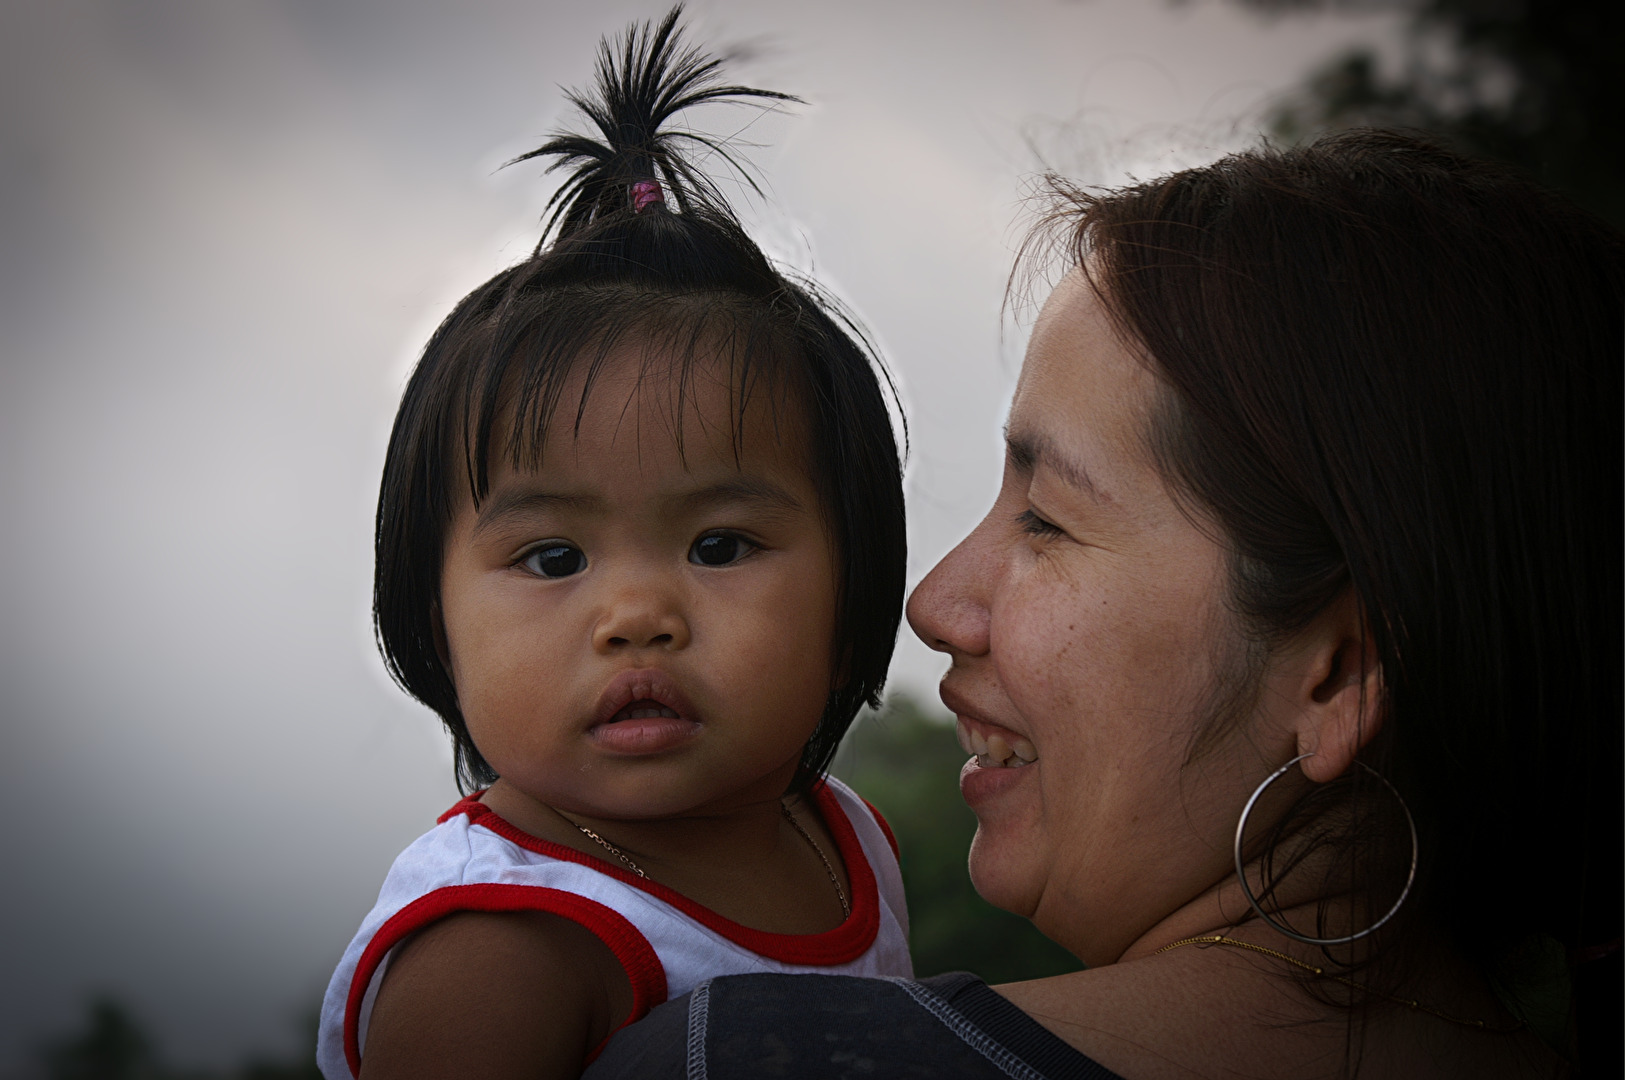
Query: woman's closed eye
x,y
719,549
554,560
1033,525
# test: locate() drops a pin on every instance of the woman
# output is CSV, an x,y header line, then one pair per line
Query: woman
x,y
1307,564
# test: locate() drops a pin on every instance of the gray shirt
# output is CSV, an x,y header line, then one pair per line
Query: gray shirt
x,y
801,1027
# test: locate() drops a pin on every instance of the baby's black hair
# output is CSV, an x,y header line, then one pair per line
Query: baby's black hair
x,y
640,245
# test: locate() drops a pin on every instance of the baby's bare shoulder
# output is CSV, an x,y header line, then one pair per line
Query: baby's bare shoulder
x,y
500,994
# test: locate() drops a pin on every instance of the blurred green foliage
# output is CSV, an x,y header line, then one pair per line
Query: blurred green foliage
x,y
112,1044
1537,83
905,760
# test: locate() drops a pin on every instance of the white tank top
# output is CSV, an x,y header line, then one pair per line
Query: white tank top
x,y
473,860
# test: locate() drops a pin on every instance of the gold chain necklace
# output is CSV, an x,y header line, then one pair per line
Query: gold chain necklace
x,y
840,893
609,847
1219,939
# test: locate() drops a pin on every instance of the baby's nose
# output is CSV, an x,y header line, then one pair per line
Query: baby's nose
x,y
641,620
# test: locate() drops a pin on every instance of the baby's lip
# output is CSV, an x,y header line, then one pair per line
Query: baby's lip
x,y
642,684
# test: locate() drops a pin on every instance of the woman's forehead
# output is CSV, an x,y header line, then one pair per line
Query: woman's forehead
x,y
1084,399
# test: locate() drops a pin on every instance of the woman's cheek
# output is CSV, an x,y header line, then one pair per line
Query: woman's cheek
x,y
1040,649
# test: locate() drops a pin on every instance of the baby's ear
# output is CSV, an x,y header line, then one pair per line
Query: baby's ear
x,y
843,668
437,625
1341,695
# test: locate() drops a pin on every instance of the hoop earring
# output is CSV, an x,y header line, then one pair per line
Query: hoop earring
x,y
1252,901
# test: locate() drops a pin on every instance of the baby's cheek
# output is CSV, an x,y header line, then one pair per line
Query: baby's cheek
x,y
781,658
781,612
776,663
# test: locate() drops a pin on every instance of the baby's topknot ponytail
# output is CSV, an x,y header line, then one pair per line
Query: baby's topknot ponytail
x,y
643,81
640,248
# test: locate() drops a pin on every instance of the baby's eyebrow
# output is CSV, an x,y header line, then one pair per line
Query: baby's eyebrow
x,y
744,489
519,503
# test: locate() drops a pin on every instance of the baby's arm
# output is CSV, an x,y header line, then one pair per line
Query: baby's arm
x,y
496,995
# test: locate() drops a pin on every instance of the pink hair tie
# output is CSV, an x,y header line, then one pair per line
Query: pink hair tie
x,y
646,193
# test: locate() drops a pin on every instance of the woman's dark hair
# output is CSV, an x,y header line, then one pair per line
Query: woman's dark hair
x,y
641,247
1394,370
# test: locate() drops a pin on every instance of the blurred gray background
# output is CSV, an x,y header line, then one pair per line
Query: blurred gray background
x,y
226,228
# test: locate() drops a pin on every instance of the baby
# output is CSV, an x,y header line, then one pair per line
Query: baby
x,y
640,545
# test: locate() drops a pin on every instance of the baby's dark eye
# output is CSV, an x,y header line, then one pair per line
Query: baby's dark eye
x,y
556,561
1033,525
719,549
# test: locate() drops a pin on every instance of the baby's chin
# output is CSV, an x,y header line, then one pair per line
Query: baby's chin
x,y
627,790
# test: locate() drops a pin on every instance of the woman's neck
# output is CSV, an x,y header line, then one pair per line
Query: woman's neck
x,y
1180,1004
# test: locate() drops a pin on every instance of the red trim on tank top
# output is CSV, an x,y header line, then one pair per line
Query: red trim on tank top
x,y
884,827
637,957
841,945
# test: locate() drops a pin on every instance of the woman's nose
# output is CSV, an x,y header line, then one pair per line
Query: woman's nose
x,y
949,609
641,616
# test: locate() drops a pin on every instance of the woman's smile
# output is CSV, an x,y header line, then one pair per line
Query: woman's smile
x,y
994,748
1000,757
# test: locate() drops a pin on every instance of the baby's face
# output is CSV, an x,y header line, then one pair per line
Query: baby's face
x,y
635,632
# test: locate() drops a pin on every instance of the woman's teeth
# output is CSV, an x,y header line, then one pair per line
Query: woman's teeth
x,y
995,751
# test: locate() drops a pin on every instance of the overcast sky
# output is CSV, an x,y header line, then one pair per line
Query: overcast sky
x,y
226,228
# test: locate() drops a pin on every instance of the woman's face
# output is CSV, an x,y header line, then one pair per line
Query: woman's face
x,y
1087,625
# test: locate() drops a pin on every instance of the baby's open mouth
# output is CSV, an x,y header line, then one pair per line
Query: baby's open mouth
x,y
643,726
643,712
645,709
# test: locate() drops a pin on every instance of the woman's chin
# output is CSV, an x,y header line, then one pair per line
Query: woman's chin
x,y
1002,875
1001,863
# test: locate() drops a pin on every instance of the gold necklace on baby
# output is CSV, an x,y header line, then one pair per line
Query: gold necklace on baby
x,y
840,893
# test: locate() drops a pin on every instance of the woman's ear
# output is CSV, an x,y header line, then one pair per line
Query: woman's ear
x,y
1341,695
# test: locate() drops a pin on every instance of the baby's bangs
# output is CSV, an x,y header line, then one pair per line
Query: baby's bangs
x,y
516,377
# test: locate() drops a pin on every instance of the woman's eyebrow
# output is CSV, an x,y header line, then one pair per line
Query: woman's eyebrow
x,y
1028,451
